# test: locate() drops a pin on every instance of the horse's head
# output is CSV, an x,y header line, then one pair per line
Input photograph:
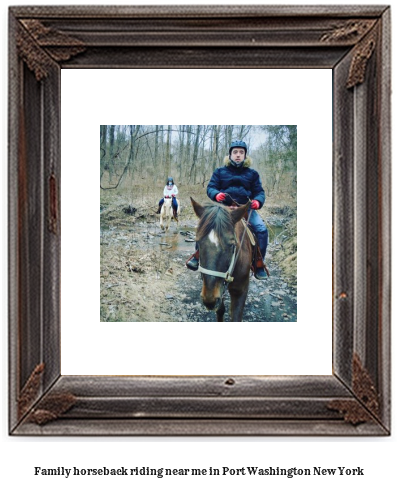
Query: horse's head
x,y
216,242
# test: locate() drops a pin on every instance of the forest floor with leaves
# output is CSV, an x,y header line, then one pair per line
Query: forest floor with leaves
x,y
143,276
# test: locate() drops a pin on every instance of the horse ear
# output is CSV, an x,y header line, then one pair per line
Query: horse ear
x,y
238,213
198,209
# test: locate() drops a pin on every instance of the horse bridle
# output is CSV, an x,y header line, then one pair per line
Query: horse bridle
x,y
224,275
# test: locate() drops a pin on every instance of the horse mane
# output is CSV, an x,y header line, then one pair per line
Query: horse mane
x,y
214,217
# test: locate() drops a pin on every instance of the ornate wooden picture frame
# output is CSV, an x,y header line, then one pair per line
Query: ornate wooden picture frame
x,y
352,41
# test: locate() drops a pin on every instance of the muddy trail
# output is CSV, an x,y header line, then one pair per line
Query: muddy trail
x,y
144,277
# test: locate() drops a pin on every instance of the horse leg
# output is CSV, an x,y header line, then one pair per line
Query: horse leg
x,y
161,219
237,303
220,312
176,217
237,307
167,222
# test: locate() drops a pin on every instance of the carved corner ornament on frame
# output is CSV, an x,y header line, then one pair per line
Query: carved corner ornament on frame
x,y
353,42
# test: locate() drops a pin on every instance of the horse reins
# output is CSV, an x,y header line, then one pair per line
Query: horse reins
x,y
242,238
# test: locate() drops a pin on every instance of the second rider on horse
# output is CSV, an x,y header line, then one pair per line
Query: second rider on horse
x,y
235,183
170,191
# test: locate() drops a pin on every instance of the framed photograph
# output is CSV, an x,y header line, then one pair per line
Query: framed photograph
x,y
351,44
148,222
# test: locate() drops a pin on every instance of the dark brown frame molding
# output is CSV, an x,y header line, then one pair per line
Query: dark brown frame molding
x,y
352,41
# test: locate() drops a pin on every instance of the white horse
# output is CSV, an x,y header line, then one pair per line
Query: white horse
x,y
167,213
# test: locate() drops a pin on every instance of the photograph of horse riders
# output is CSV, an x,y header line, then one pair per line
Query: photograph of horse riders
x,y
198,223
234,184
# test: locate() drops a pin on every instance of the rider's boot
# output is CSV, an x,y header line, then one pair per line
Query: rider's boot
x,y
193,262
159,209
260,273
260,270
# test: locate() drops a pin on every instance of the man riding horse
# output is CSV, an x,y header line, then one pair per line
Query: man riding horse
x,y
235,183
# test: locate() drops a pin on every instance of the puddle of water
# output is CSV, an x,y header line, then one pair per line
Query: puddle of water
x,y
181,240
276,234
178,239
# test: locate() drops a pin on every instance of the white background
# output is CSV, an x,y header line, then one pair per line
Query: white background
x,y
378,456
296,97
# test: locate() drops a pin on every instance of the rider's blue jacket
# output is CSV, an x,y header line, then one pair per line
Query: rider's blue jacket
x,y
240,183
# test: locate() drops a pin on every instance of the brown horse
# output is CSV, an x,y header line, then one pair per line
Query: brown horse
x,y
225,256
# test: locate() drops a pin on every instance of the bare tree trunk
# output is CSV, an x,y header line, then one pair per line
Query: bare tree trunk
x,y
111,153
134,130
188,152
244,130
156,152
103,135
132,170
120,134
168,164
162,163
202,159
103,149
151,157
216,134
195,155
181,150
230,129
